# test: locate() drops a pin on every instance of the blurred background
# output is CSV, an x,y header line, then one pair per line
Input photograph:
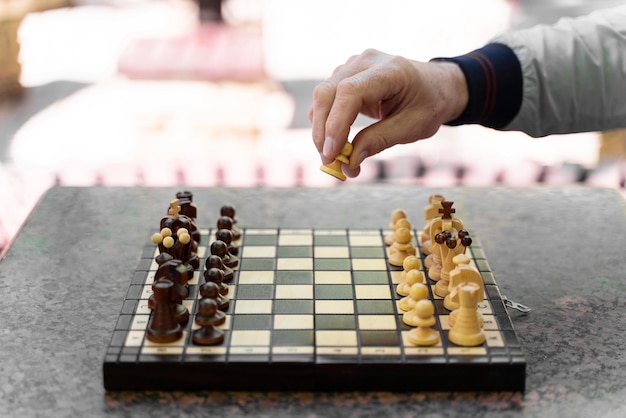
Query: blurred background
x,y
198,93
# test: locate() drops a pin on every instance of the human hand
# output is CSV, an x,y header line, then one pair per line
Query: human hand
x,y
410,99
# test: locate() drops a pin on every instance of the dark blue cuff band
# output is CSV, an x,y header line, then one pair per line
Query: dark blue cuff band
x,y
495,85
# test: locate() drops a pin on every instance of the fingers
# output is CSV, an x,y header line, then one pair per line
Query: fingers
x,y
337,102
323,98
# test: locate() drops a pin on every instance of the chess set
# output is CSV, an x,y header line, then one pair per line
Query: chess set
x,y
244,308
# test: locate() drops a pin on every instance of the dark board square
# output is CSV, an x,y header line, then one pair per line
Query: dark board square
x,y
129,307
330,240
139,277
293,306
293,338
333,291
492,292
118,339
260,240
370,277
326,264
375,307
254,322
439,308
335,322
255,291
379,338
295,251
504,322
482,265
367,252
147,253
134,292
124,321
294,277
477,251
257,264
488,277
498,308
510,339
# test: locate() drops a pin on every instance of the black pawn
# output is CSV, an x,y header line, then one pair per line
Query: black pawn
x,y
215,275
211,290
163,326
215,261
227,236
208,315
229,212
221,249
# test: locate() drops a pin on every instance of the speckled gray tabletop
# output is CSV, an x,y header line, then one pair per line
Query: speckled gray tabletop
x,y
561,251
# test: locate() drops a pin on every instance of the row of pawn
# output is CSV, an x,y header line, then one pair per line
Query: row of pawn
x,y
461,286
170,286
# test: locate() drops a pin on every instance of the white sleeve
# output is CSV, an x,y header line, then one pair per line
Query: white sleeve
x,y
574,74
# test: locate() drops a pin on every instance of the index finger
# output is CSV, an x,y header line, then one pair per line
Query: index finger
x,y
323,97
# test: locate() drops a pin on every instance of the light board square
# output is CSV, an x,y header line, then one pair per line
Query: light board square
x,y
331,252
365,241
260,251
334,307
374,291
246,338
256,277
294,291
294,264
256,306
333,277
293,322
335,338
377,322
369,264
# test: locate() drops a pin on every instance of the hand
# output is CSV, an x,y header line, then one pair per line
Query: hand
x,y
411,99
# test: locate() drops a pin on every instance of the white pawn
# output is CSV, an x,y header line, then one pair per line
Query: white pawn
x,y
412,277
395,216
410,263
424,334
401,248
467,330
405,223
419,291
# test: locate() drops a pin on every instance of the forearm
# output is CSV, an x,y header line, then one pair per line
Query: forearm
x,y
570,77
574,75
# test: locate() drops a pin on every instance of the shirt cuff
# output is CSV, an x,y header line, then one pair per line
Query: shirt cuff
x,y
495,85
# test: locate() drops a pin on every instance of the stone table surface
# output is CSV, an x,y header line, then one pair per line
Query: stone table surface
x,y
562,251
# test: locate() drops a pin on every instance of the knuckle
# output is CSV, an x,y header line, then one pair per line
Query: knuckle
x,y
323,90
348,86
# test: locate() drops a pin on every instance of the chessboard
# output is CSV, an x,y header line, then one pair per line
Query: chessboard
x,y
310,309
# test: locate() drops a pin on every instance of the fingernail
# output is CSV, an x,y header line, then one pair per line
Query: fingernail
x,y
328,146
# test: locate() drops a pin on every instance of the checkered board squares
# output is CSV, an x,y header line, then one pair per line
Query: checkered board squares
x,y
311,309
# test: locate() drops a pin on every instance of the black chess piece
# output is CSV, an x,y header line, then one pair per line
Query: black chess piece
x,y
211,290
221,249
207,317
163,326
216,262
216,276
227,236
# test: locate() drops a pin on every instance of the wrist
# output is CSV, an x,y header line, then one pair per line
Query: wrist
x,y
494,85
454,89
